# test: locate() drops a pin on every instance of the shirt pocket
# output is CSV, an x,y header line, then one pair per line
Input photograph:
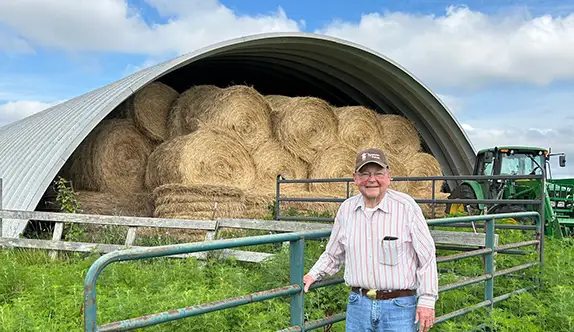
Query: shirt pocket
x,y
390,251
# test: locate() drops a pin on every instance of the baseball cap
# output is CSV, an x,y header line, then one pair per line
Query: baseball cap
x,y
373,155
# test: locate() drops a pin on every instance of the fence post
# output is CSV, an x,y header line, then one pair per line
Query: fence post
x,y
489,261
296,266
277,195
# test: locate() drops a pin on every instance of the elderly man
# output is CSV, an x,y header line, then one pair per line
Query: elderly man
x,y
382,238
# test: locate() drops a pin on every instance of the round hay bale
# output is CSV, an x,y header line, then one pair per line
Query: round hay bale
x,y
112,158
358,127
177,193
244,111
237,108
270,160
312,208
337,161
217,209
398,168
130,204
202,157
175,201
423,164
276,100
149,108
439,209
305,125
399,134
186,110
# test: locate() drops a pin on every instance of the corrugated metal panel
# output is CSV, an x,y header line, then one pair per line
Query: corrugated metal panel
x,y
33,150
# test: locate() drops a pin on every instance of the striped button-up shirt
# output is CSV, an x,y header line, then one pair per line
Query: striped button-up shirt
x,y
386,248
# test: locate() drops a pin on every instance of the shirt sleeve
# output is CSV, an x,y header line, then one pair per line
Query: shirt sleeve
x,y
427,273
332,258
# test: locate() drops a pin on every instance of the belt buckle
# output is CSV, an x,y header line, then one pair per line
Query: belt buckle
x,y
372,294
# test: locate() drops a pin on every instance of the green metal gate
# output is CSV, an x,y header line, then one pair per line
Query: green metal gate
x,y
295,289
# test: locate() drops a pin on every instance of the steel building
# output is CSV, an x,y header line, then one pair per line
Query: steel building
x,y
34,149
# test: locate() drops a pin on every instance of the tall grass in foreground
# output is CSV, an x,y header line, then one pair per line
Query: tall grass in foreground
x,y
39,294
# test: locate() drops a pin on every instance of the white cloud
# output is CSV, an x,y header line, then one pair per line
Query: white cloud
x,y
461,47
453,103
469,47
16,110
467,127
113,26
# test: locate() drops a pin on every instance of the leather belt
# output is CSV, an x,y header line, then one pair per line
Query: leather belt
x,y
383,294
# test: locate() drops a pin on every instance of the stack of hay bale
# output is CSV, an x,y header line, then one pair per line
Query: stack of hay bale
x,y
215,152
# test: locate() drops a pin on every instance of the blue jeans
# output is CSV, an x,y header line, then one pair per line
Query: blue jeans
x,y
366,315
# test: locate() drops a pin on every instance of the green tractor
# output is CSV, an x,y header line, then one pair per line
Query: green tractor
x,y
519,160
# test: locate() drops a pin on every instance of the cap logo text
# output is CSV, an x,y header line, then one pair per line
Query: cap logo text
x,y
370,155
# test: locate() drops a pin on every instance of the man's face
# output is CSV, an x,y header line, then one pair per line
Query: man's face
x,y
372,180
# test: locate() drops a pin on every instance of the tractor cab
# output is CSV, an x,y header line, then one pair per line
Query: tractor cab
x,y
516,160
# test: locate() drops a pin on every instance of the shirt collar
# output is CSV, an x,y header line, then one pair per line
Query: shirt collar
x,y
383,204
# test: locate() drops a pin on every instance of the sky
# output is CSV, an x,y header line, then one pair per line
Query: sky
x,y
504,68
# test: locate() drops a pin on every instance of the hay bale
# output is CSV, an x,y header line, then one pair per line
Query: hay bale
x,y
179,201
337,161
130,204
358,127
203,157
149,109
423,164
399,134
270,160
439,209
304,125
112,158
188,108
237,108
398,168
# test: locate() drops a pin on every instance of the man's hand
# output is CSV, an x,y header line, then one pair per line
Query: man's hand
x,y
307,281
426,317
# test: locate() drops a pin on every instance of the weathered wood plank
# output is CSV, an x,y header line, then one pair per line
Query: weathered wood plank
x,y
109,220
57,236
131,236
273,225
245,256
461,238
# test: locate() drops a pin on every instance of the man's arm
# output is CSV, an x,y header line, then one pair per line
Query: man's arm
x,y
424,247
333,257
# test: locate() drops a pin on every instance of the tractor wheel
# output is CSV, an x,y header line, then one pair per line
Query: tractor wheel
x,y
462,192
513,209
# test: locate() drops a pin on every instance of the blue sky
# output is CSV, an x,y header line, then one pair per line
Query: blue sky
x,y
503,67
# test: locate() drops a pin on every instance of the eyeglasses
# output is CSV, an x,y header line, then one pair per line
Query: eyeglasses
x,y
367,175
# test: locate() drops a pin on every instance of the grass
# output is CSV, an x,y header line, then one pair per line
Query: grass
x,y
40,294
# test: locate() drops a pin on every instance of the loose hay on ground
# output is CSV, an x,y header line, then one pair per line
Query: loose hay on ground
x,y
399,134
202,157
270,160
112,158
304,125
149,109
337,161
358,127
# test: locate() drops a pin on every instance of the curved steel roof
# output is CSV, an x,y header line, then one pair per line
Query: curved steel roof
x,y
34,149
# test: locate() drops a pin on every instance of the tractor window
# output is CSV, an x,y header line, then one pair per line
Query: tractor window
x,y
520,164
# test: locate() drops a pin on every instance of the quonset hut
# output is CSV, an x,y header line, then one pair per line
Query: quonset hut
x,y
34,149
